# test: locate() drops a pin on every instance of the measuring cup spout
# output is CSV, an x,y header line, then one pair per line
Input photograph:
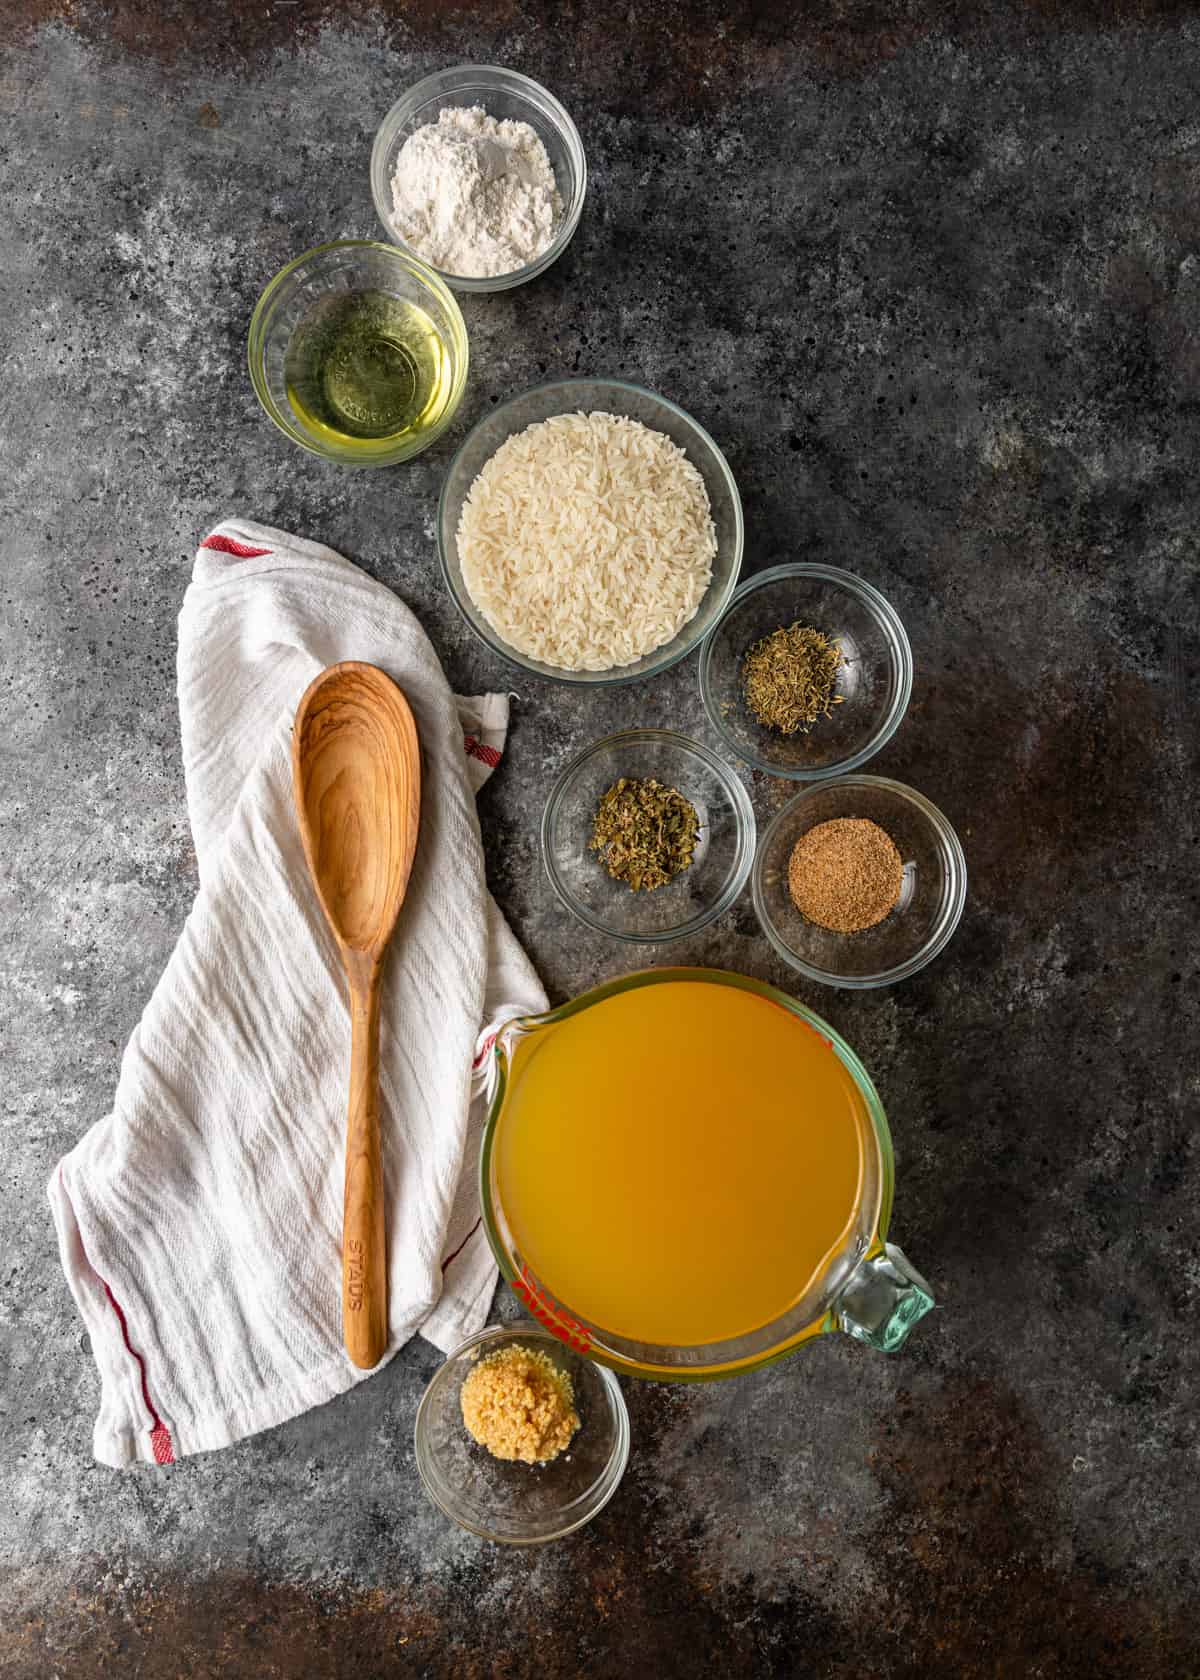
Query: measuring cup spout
x,y
494,1052
884,1297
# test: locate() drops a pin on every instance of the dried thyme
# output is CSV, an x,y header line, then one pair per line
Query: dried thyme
x,y
645,832
788,678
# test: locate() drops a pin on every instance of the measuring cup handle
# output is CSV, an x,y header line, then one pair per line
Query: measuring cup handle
x,y
883,1299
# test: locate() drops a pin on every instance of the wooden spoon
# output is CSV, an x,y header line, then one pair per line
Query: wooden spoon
x,y
357,773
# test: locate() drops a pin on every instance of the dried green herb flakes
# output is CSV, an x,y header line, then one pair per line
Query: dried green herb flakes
x,y
788,678
645,832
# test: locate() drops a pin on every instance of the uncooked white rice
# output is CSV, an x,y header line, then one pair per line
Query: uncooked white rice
x,y
587,541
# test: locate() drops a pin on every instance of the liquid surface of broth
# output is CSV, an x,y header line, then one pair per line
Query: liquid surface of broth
x,y
678,1162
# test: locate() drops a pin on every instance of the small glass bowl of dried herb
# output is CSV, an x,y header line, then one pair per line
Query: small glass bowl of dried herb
x,y
859,881
808,673
644,832
647,835
515,1478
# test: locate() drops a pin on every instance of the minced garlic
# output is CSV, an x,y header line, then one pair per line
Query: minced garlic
x,y
518,1404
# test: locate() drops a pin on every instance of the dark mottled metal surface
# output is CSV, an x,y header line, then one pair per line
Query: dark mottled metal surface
x,y
929,272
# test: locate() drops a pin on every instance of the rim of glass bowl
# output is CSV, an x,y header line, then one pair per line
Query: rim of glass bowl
x,y
743,815
463,76
429,278
956,875
586,1505
619,673
897,638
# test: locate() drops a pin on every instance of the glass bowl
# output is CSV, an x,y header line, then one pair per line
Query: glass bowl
x,y
874,677
521,1504
342,266
503,94
694,897
933,889
608,396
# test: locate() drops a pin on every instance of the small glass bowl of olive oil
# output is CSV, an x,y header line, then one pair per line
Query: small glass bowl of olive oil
x,y
358,352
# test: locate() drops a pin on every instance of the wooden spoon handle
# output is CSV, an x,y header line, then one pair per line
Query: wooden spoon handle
x,y
364,1243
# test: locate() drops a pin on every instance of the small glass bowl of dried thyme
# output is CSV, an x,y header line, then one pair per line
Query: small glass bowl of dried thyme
x,y
647,835
859,882
808,673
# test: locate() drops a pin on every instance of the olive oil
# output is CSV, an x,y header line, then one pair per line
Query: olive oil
x,y
365,369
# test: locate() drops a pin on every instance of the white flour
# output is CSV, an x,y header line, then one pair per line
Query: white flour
x,y
474,196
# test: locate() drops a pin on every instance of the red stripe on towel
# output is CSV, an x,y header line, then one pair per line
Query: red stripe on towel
x,y
230,545
483,1051
160,1435
160,1442
463,1243
478,749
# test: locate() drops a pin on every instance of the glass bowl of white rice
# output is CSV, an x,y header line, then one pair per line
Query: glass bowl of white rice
x,y
590,531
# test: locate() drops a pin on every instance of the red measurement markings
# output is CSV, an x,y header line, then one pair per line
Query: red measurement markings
x,y
547,1311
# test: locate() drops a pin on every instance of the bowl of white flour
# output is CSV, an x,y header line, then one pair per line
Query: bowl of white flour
x,y
479,172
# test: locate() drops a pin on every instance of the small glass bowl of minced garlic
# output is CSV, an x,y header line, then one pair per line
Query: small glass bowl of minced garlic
x,y
520,1439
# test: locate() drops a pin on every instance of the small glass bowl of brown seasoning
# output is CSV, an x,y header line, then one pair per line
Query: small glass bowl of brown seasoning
x,y
523,1393
839,660
859,882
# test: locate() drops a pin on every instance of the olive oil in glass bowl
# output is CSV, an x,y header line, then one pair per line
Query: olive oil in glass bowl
x,y
359,353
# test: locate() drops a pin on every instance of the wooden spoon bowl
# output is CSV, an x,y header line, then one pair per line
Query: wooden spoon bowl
x,y
357,772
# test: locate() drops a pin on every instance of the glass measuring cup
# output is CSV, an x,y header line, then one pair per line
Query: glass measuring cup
x,y
864,1285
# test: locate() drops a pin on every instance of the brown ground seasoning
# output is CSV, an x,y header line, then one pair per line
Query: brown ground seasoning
x,y
845,874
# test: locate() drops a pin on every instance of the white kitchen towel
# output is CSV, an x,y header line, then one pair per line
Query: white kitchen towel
x,y
200,1222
